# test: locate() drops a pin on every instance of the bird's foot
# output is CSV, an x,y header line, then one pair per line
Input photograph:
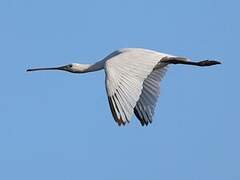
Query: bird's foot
x,y
208,63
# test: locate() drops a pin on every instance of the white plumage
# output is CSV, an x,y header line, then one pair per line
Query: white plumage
x,y
133,78
132,83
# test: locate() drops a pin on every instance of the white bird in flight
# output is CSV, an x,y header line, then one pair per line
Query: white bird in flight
x,y
132,81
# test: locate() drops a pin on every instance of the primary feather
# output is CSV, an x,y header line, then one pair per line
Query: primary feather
x,y
133,83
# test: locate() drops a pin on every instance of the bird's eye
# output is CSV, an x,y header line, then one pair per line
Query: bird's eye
x,y
70,65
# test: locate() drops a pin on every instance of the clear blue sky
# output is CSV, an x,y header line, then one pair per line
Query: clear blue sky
x,y
56,125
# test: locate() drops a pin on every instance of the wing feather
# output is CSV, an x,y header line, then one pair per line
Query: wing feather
x,y
128,88
149,95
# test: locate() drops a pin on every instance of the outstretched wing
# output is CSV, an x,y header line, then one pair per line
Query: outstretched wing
x,y
144,109
125,75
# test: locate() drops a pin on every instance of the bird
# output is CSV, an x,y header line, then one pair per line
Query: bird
x,y
132,80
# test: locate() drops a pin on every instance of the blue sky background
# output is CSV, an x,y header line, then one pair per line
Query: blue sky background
x,y
56,125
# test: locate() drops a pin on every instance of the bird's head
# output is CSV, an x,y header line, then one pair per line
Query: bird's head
x,y
73,68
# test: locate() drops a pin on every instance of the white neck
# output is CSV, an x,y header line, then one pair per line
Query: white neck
x,y
84,68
